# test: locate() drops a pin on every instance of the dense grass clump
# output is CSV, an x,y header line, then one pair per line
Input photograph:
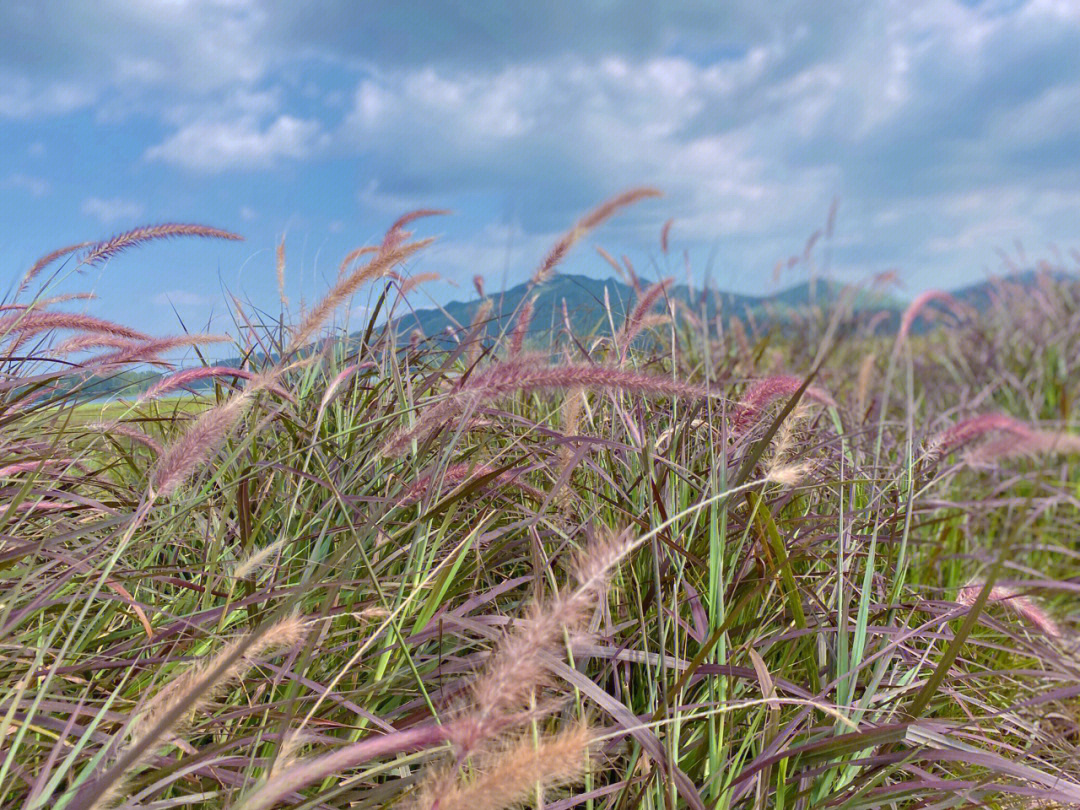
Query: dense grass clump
x,y
681,562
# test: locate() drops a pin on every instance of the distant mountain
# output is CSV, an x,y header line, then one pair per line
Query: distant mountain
x,y
589,300
978,297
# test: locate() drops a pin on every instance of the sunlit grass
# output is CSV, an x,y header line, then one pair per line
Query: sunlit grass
x,y
711,569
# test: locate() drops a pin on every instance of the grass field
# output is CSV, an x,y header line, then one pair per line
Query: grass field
x,y
693,564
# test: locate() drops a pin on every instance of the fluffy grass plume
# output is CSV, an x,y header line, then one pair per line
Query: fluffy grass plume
x,y
1023,606
636,321
916,307
511,776
521,327
977,427
279,267
184,456
525,376
48,259
583,584
595,217
102,251
383,262
150,350
762,393
34,323
193,688
182,379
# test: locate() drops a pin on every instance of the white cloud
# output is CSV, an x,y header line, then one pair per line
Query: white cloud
x,y
928,118
35,186
23,98
215,146
111,210
593,127
248,214
1053,115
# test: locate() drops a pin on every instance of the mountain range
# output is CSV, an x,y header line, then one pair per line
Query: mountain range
x,y
589,301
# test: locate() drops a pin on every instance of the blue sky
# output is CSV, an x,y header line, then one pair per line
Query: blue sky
x,y
946,129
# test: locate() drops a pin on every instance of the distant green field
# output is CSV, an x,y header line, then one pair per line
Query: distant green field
x,y
114,410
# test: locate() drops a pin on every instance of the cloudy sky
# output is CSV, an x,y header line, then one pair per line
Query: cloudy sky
x,y
947,130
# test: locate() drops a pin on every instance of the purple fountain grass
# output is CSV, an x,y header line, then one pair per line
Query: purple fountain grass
x,y
396,233
191,686
686,312
516,668
969,430
451,477
286,633
830,220
510,775
183,457
665,232
184,378
339,379
764,392
595,217
81,343
147,351
314,769
279,266
862,385
919,304
46,260
618,268
45,505
482,314
38,465
607,209
876,320
526,374
741,340
44,303
777,270
631,275
635,323
103,251
457,474
382,263
478,284
886,278
127,431
808,248
478,329
521,327
412,216
353,255
407,285
33,323
1038,443
1024,606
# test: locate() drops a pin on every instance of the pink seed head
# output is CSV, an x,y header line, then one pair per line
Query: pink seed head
x,y
764,392
1024,606
968,430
